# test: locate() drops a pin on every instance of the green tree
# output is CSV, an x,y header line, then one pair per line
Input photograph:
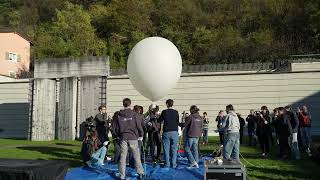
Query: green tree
x,y
70,34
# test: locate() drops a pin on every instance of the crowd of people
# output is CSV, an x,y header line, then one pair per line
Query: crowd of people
x,y
137,135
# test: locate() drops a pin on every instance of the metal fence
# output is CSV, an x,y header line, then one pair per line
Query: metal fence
x,y
274,66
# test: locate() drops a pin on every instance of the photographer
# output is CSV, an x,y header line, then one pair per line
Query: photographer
x,y
263,130
220,120
251,120
102,124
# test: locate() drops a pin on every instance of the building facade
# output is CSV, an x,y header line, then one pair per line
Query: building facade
x,y
14,54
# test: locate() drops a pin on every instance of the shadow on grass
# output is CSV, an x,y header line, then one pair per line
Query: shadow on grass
x,y
282,172
65,144
57,153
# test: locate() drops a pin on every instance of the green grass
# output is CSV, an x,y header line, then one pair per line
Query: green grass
x,y
270,168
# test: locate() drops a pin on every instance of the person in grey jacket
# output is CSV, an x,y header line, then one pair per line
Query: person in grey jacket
x,y
193,127
129,129
231,127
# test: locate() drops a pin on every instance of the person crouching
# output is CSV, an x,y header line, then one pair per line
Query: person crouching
x,y
194,130
91,154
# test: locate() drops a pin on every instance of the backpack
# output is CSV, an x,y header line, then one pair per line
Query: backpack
x,y
87,150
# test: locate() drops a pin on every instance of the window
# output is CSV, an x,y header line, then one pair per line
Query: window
x,y
12,74
14,57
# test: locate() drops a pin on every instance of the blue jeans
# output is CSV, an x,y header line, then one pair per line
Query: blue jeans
x,y
205,135
231,148
192,149
170,147
97,158
305,137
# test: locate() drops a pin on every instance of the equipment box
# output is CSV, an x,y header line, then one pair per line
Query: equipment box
x,y
227,171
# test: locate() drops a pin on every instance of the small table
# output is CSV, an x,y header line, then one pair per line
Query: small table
x,y
229,170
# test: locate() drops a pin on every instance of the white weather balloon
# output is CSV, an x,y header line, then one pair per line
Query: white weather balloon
x,y
154,67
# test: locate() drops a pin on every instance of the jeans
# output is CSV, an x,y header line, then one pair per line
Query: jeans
x,y
155,142
131,158
294,147
205,135
192,149
97,158
170,147
116,156
305,137
231,148
132,145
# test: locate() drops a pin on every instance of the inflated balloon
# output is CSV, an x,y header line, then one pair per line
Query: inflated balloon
x,y
154,67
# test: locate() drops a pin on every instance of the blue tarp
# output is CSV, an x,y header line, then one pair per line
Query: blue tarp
x,y
110,171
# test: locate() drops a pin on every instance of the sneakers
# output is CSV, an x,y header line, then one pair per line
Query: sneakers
x,y
194,165
108,158
309,152
89,163
140,176
106,143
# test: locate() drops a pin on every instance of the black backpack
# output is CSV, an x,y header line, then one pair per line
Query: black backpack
x,y
86,150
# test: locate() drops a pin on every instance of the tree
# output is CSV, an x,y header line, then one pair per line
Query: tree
x,y
71,34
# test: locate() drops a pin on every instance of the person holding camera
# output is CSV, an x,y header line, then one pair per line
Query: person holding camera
x,y
285,130
251,120
220,120
263,130
102,124
193,127
129,129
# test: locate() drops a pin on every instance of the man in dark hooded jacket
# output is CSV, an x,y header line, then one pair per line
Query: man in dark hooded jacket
x,y
128,128
193,127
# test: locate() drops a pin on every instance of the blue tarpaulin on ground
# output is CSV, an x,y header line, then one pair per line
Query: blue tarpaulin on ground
x,y
110,171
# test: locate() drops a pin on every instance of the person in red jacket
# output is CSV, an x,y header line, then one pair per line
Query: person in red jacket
x,y
305,125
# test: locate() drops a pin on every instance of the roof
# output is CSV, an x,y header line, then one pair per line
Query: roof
x,y
19,34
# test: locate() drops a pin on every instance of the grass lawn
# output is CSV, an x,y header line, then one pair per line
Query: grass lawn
x,y
258,168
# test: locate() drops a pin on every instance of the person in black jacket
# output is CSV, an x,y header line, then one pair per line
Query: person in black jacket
x,y
102,124
193,127
220,121
242,124
154,128
294,122
128,128
252,123
263,130
170,137
116,139
284,133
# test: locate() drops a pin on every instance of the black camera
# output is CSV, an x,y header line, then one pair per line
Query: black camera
x,y
90,124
